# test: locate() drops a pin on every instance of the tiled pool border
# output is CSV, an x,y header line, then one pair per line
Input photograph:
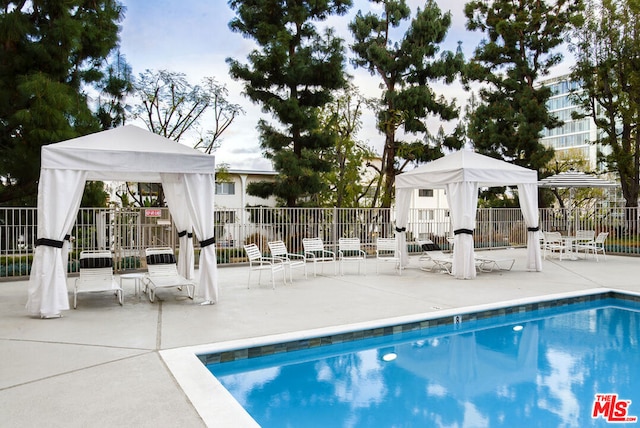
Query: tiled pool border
x,y
314,342
216,406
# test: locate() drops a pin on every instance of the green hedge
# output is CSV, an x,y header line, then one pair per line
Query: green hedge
x,y
15,265
15,269
131,262
223,255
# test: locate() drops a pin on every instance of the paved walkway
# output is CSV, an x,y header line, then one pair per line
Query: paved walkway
x,y
103,365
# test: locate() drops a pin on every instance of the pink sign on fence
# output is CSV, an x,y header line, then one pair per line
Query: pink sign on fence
x,y
152,212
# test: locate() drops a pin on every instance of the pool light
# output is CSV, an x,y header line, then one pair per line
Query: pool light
x,y
389,356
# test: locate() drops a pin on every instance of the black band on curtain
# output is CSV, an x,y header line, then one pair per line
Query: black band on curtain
x,y
67,237
183,233
533,229
49,242
401,229
465,231
208,242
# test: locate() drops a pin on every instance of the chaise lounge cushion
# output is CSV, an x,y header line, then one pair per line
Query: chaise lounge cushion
x,y
96,262
430,246
161,259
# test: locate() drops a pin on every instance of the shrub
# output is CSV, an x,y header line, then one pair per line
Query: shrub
x,y
15,265
131,262
259,239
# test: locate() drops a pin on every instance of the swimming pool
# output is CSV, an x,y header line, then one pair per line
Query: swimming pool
x,y
527,365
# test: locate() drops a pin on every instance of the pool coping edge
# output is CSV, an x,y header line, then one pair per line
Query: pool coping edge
x,y
216,406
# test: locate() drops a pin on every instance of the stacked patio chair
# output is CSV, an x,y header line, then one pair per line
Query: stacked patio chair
x,y
162,272
96,275
257,262
290,260
315,252
387,251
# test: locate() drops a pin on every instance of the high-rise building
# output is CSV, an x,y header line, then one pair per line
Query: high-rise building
x,y
576,134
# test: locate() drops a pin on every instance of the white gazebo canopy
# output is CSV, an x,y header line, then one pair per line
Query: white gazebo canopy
x,y
574,179
127,153
462,173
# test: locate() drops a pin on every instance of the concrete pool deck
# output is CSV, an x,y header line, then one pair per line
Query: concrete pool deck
x,y
107,365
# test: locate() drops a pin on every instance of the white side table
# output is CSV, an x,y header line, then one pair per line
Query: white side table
x,y
137,277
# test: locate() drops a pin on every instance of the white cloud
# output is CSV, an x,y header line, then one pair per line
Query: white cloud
x,y
193,37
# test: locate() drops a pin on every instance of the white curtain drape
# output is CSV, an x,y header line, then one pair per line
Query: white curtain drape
x,y
463,204
199,193
59,196
173,186
528,194
403,201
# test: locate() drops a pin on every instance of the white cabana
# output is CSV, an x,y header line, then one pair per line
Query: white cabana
x,y
573,180
130,154
462,173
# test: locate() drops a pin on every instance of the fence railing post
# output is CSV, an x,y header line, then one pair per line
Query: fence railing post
x,y
334,234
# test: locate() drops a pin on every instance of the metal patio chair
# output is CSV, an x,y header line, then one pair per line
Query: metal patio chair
x,y
257,262
387,251
315,252
290,260
596,246
349,251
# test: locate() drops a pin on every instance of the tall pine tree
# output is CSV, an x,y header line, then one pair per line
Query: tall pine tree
x,y
608,65
49,51
519,49
292,75
407,67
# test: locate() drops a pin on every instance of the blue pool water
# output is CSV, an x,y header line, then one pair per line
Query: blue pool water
x,y
534,369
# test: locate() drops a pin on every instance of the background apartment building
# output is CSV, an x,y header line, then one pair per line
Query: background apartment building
x,y
575,134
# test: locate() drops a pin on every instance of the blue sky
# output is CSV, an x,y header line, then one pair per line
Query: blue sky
x,y
193,37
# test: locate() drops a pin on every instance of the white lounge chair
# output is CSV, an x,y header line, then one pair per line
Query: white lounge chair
x,y
432,257
162,272
387,251
349,251
257,262
290,260
96,275
486,263
596,246
315,252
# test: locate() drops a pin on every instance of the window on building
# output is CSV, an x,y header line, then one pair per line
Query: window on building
x,y
425,193
148,189
225,188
